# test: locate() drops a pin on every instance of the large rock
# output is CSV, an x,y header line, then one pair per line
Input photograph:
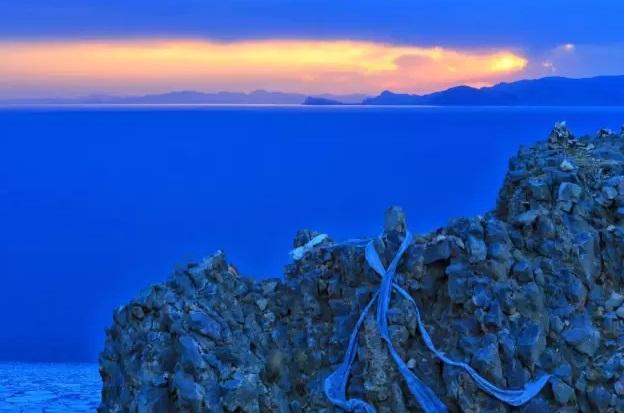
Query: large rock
x,y
535,286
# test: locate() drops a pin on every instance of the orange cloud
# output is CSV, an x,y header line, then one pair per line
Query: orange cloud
x,y
140,66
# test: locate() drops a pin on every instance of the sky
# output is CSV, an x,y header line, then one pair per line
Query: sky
x,y
73,48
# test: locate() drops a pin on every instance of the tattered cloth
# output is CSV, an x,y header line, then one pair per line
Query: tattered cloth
x,y
336,383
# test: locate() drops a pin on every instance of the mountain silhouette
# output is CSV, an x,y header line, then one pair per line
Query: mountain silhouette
x,y
194,97
547,91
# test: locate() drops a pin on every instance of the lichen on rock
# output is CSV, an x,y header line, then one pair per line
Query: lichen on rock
x,y
535,286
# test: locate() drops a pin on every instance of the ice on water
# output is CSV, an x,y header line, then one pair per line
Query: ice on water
x,y
49,387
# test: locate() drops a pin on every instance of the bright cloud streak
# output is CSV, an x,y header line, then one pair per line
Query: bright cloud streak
x,y
142,66
568,47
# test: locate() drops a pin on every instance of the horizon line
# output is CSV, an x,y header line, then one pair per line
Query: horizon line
x,y
249,92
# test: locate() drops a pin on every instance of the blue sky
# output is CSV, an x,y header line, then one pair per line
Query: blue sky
x,y
528,23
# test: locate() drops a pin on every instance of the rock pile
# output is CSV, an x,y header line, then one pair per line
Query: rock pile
x,y
535,286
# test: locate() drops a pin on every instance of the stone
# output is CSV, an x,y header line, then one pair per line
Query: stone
x,y
507,344
587,261
262,303
620,312
242,395
187,390
536,405
564,372
539,189
604,133
398,334
487,362
575,290
610,369
618,386
556,324
276,365
481,297
476,248
137,312
609,192
560,134
394,220
499,251
583,336
531,343
190,354
523,271
526,218
204,324
599,398
614,301
564,393
569,192
458,279
438,251
566,166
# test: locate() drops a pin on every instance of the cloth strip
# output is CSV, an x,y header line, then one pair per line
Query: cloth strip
x,y
335,384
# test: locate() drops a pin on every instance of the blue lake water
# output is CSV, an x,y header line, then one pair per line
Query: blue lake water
x,y
97,203
49,387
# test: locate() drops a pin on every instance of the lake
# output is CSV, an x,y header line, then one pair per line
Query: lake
x,y
98,203
49,387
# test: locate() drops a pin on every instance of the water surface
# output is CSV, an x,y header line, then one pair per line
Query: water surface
x,y
49,387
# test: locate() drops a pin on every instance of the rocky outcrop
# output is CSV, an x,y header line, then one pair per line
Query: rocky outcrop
x,y
535,286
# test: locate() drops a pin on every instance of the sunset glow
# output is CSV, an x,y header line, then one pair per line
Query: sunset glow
x,y
341,66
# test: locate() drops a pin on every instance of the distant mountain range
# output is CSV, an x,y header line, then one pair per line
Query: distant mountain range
x,y
547,91
192,97
315,101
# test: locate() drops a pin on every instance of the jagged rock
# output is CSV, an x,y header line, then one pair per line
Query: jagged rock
x,y
189,393
437,251
394,220
569,192
204,325
583,336
487,362
614,301
137,312
566,166
619,387
523,271
563,392
560,134
609,193
604,133
531,343
190,354
600,399
537,405
527,218
534,286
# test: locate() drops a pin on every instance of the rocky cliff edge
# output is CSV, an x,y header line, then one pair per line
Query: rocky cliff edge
x,y
535,286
